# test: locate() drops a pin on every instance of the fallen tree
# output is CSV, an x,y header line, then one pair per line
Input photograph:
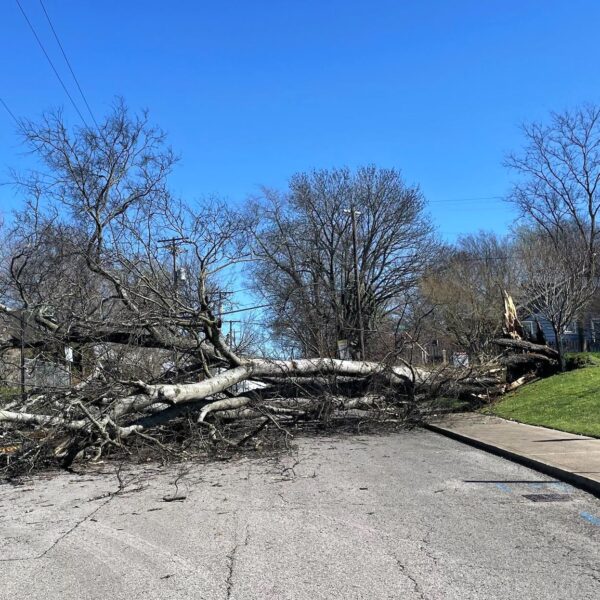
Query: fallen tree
x,y
522,354
95,288
100,418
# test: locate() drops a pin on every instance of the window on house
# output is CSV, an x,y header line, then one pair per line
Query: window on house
x,y
570,327
529,328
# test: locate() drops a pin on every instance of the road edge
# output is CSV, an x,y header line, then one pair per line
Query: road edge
x,y
588,485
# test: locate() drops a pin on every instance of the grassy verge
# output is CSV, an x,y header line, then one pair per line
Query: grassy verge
x,y
568,401
7,393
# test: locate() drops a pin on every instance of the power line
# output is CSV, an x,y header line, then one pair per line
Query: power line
x,y
69,64
62,83
476,199
454,259
483,258
10,112
244,309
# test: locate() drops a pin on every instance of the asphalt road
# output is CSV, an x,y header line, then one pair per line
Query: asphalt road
x,y
411,515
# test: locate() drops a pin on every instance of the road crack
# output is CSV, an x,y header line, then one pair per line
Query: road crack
x,y
108,497
63,535
231,563
425,548
412,579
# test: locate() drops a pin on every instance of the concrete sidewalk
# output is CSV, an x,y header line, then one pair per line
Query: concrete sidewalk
x,y
566,456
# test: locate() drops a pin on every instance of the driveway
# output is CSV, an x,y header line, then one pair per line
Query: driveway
x,y
409,515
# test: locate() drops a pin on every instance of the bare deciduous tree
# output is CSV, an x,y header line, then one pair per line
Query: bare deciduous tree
x,y
338,254
559,169
465,289
93,267
554,281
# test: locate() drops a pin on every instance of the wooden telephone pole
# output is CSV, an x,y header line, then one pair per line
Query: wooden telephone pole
x,y
361,327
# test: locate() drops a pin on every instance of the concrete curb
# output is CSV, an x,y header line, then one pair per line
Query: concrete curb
x,y
579,481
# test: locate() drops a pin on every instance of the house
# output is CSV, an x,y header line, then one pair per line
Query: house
x,y
580,335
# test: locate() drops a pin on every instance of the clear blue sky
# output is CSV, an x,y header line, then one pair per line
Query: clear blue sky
x,y
252,91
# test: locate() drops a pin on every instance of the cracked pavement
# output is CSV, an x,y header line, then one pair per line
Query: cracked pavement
x,y
412,515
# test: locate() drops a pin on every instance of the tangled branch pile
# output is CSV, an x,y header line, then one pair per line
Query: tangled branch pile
x,y
92,419
118,289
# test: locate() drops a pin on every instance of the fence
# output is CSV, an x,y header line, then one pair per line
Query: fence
x,y
575,345
437,355
45,374
429,355
37,374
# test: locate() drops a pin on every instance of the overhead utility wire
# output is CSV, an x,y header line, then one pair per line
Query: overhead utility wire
x,y
451,200
10,112
62,83
69,65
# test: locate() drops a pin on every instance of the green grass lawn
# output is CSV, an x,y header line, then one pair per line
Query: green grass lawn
x,y
7,393
568,401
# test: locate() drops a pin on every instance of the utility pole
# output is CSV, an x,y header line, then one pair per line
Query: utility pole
x,y
221,295
22,359
220,304
172,245
361,327
231,336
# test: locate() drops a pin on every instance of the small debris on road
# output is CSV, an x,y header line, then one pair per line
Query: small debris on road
x,y
174,498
